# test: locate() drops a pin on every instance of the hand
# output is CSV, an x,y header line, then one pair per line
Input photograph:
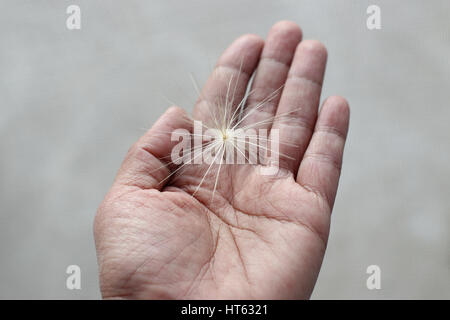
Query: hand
x,y
259,236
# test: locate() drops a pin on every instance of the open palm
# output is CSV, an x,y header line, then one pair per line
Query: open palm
x,y
262,236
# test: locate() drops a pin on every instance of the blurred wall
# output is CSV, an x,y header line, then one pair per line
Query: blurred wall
x,y
72,102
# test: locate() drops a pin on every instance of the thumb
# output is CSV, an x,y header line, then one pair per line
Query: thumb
x,y
147,163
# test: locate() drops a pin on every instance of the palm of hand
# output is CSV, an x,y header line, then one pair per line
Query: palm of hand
x,y
261,236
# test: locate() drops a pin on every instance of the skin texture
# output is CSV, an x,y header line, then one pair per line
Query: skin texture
x,y
262,237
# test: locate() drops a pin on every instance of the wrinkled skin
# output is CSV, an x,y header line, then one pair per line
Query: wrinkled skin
x,y
260,236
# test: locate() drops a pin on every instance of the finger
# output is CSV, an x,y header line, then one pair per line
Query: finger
x,y
321,165
147,163
271,73
228,82
297,110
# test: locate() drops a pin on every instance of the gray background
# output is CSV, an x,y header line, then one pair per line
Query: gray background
x,y
72,102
